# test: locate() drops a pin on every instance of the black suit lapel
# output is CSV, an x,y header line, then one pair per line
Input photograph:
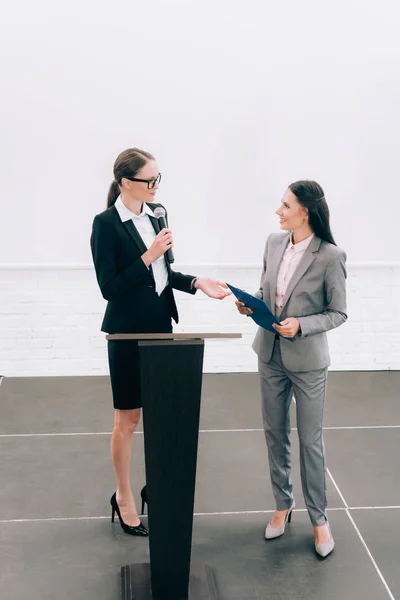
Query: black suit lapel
x,y
135,235
129,226
155,224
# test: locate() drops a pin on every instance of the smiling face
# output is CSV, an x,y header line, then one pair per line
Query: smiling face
x,y
139,190
292,215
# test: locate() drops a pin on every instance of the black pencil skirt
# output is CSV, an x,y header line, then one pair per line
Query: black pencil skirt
x,y
123,361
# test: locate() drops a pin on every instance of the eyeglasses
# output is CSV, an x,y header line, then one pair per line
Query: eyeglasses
x,y
151,183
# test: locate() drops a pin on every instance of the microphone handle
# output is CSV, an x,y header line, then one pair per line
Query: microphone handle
x,y
169,254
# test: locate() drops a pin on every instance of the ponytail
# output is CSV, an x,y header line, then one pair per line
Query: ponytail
x,y
113,194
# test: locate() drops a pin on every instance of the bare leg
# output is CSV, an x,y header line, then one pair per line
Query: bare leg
x,y
278,519
322,534
125,422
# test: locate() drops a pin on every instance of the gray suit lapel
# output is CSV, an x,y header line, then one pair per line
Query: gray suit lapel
x,y
275,263
303,266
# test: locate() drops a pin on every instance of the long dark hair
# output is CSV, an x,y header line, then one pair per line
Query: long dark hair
x,y
127,164
311,195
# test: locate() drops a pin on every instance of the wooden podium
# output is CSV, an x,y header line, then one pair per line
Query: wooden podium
x,y
171,368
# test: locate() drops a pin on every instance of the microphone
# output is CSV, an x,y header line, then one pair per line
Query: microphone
x,y
159,214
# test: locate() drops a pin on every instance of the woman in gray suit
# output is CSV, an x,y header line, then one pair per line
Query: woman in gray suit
x,y
304,282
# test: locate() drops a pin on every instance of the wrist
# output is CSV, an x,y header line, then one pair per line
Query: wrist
x,y
194,283
147,258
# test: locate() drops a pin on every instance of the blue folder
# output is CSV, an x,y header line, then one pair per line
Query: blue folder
x,y
261,313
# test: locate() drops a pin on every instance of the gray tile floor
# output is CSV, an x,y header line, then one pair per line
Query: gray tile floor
x,y
56,539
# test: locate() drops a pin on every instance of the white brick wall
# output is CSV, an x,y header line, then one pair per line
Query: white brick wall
x,y
50,320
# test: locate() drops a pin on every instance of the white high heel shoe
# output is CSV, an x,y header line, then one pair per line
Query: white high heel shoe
x,y
325,548
274,532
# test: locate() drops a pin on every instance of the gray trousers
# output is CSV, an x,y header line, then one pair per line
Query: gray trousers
x,y
277,388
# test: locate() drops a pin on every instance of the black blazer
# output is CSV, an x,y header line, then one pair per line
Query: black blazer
x,y
124,280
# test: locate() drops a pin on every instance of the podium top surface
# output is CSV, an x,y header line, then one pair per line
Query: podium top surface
x,y
172,336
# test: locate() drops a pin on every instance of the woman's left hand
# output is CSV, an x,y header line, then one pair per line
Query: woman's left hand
x,y
288,328
213,288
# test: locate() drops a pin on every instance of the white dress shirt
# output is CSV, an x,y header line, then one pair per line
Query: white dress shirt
x,y
290,261
147,233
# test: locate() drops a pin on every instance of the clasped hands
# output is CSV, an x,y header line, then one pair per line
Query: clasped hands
x,y
287,328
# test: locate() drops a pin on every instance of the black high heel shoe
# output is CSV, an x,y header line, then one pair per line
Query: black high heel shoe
x,y
143,495
131,529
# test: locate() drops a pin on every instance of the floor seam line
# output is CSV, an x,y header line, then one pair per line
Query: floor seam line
x,y
205,514
249,430
364,543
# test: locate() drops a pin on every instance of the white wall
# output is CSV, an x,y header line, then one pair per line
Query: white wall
x,y
236,100
50,321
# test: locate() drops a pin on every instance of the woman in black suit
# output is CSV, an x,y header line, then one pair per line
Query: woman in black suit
x,y
128,253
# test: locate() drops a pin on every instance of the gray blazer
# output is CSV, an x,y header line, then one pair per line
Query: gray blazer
x,y
316,295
